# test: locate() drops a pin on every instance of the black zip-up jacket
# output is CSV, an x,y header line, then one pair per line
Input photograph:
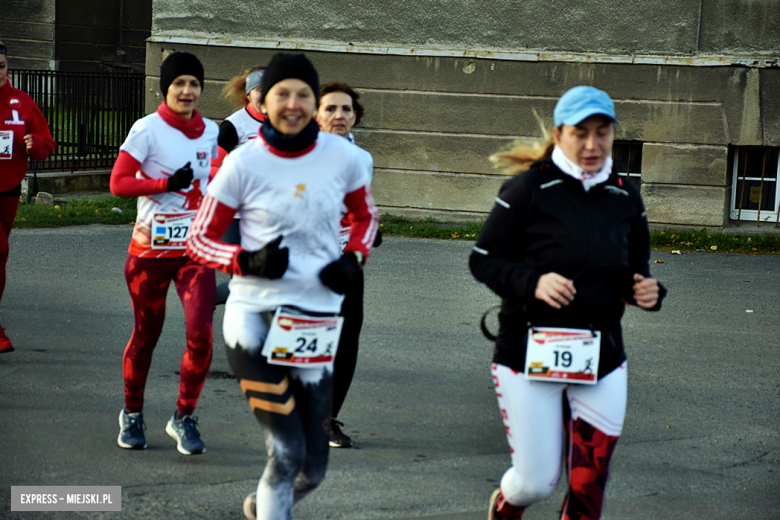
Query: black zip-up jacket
x,y
544,221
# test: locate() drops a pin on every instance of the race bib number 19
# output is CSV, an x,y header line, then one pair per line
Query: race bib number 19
x,y
299,340
170,230
563,355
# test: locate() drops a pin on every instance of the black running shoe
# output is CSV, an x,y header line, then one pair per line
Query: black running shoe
x,y
337,438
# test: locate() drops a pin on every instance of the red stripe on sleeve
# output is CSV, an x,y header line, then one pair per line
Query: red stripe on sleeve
x,y
124,184
364,219
204,244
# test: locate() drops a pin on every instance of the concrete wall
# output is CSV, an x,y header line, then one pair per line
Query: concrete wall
x,y
27,29
76,35
448,83
681,27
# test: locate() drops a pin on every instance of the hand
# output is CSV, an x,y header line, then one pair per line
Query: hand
x,y
181,178
645,291
555,290
269,262
29,141
340,274
378,238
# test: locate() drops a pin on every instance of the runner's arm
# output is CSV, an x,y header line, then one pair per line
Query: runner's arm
x,y
205,245
364,219
216,163
639,257
43,143
124,182
492,260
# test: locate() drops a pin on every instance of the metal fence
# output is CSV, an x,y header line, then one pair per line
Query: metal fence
x,y
89,114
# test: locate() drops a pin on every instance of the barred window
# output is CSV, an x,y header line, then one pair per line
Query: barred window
x,y
755,186
627,159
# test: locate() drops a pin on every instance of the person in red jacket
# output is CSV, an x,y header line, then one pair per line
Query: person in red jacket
x,y
23,132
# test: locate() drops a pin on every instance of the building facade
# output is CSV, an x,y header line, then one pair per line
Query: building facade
x,y
76,35
446,83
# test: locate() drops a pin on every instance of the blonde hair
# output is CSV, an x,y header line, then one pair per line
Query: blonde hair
x,y
521,155
235,89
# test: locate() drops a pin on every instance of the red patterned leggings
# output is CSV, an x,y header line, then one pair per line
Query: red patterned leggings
x,y
8,207
533,418
148,280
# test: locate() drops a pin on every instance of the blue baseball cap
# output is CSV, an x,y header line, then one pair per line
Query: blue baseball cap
x,y
579,103
253,80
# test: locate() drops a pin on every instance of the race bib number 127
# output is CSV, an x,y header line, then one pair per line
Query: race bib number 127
x,y
170,230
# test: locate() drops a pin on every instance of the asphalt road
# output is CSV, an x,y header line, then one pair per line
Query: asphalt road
x,y
701,440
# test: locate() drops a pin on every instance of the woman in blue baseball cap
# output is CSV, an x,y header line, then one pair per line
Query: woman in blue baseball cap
x,y
567,247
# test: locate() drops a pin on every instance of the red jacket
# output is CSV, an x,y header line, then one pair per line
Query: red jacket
x,y
20,116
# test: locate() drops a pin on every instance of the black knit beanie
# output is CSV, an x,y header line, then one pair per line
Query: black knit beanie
x,y
179,64
284,66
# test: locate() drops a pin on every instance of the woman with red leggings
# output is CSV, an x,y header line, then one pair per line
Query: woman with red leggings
x,y
165,162
23,132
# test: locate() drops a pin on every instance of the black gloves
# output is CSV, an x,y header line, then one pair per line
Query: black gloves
x,y
378,238
180,179
340,274
269,262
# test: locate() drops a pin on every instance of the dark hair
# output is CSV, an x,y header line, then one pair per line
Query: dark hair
x,y
3,50
340,86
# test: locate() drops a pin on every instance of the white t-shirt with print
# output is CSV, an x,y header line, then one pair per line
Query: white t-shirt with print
x,y
298,198
162,149
247,127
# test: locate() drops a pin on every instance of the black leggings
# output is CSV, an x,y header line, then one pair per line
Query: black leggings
x,y
346,356
291,404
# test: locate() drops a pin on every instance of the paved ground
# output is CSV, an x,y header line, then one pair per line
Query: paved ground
x,y
702,437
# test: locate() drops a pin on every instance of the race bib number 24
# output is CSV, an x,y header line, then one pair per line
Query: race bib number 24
x,y
300,340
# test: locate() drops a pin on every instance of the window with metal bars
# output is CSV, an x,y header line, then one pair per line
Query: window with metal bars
x,y
755,184
627,161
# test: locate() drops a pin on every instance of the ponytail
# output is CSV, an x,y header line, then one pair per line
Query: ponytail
x,y
522,154
235,89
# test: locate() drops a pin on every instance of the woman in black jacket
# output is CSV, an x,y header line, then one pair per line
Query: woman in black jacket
x,y
566,246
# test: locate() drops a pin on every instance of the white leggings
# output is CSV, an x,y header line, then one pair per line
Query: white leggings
x,y
532,412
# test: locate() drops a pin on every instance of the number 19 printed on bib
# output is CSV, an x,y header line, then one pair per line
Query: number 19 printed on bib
x,y
563,355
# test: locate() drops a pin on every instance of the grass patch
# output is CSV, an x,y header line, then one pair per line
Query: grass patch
x,y
77,212
693,240
702,241
429,228
99,211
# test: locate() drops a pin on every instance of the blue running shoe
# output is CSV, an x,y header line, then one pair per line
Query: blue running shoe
x,y
184,430
131,431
